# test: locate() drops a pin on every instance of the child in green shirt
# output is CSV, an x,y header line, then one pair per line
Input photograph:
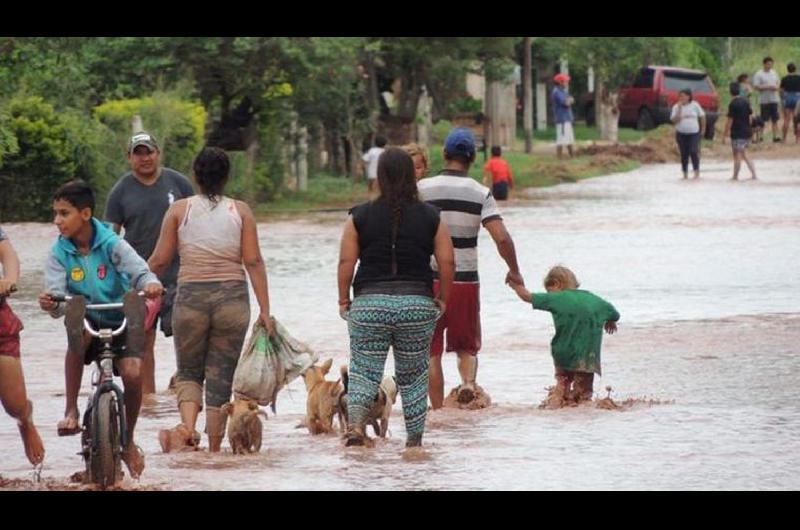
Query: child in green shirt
x,y
579,317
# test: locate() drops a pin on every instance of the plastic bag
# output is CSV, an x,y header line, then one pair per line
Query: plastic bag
x,y
268,364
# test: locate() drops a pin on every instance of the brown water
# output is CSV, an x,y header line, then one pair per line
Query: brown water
x,y
705,364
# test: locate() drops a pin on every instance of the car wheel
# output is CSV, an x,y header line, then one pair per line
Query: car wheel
x,y
645,122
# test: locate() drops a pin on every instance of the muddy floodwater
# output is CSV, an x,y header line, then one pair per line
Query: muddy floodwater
x,y
705,274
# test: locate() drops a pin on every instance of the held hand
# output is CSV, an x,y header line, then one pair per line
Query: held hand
x,y
611,327
268,322
46,303
7,287
514,277
153,290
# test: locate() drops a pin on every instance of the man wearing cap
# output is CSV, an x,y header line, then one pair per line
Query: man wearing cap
x,y
562,109
138,202
465,205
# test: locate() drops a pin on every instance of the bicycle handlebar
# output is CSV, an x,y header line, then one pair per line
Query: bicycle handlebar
x,y
95,307
98,307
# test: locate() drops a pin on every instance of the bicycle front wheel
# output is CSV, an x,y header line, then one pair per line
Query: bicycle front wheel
x,y
105,460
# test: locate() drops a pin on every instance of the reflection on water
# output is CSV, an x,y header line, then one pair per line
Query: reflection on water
x,y
705,365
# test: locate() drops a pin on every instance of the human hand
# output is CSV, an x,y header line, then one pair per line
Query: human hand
x,y
514,277
266,320
153,290
46,303
611,327
441,304
7,287
344,308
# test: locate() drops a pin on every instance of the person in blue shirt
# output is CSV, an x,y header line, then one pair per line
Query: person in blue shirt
x,y
562,111
90,260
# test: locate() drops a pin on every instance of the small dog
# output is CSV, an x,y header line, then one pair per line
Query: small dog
x,y
323,399
244,426
378,415
757,125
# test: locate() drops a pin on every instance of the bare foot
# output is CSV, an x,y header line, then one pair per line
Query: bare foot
x,y
34,449
133,456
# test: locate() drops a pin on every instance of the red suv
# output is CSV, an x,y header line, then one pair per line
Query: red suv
x,y
647,102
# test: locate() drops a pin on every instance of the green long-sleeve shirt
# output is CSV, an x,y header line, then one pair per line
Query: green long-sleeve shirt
x,y
579,317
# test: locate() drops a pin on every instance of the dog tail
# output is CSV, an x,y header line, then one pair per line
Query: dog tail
x,y
345,377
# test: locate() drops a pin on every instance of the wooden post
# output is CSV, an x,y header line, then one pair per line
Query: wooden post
x,y
136,124
425,122
527,116
541,106
302,159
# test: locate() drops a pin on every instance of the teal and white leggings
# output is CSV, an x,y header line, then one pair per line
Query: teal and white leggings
x,y
405,322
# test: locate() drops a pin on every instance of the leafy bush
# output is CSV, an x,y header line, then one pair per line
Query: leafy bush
x,y
178,125
51,149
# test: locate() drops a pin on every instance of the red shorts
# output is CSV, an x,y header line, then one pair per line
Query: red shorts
x,y
10,326
462,319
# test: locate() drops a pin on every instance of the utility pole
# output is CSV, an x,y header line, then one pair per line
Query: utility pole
x,y
527,115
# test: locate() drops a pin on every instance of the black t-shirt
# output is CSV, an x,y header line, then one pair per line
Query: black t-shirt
x,y
739,109
791,83
413,247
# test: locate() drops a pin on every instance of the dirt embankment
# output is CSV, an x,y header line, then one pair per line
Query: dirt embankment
x,y
659,147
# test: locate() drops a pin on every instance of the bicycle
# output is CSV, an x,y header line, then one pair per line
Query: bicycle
x,y
104,429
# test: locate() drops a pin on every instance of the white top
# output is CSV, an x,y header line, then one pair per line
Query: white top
x,y
210,241
371,158
770,78
690,117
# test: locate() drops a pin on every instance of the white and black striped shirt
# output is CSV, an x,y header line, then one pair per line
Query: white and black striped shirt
x,y
464,205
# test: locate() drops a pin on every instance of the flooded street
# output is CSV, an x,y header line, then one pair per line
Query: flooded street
x,y
704,273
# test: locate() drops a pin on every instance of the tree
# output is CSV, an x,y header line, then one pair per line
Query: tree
x,y
614,60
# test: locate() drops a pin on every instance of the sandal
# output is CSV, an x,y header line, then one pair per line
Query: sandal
x,y
466,394
66,428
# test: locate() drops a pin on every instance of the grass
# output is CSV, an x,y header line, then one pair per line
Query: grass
x,y
585,134
529,170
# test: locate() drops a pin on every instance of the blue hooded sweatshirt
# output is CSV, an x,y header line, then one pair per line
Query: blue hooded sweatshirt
x,y
103,276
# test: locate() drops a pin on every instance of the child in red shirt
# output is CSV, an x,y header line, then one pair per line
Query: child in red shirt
x,y
500,172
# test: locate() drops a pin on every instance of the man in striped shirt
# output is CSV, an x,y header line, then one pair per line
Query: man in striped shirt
x,y
465,205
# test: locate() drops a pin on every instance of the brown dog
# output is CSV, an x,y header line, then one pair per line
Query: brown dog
x,y
244,427
381,409
323,398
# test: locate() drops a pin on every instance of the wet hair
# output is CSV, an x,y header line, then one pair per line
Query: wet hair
x,y
496,150
562,275
78,193
742,78
791,68
380,141
414,149
767,59
688,92
734,88
398,185
211,169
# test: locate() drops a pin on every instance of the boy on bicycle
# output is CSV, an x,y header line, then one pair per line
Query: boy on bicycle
x,y
92,263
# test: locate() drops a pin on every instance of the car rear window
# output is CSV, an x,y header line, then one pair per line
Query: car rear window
x,y
698,83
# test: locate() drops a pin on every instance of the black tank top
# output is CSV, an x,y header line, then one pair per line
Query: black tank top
x,y
411,273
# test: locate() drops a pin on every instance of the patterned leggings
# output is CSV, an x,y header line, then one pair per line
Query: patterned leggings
x,y
405,322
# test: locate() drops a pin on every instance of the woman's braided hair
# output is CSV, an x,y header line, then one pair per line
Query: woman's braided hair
x,y
398,186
